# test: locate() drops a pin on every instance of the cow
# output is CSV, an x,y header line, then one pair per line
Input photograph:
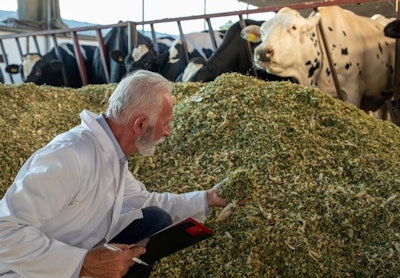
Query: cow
x,y
361,56
172,63
48,69
115,41
231,56
146,56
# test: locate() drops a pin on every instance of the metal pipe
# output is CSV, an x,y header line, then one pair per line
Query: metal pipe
x,y
103,55
79,59
3,50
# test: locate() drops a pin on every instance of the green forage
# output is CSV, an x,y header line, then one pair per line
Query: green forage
x,y
324,176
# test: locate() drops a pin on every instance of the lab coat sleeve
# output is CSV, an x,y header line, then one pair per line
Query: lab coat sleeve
x,y
179,206
40,190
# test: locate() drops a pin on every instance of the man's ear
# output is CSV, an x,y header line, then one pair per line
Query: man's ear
x,y
140,124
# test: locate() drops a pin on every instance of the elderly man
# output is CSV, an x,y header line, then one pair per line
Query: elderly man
x,y
76,193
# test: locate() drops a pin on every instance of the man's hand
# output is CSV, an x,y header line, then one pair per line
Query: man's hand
x,y
102,262
213,197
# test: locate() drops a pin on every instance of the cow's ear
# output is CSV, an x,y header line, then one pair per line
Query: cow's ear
x,y
251,33
56,65
118,56
13,68
312,21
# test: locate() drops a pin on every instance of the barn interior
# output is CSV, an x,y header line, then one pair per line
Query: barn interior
x,y
322,176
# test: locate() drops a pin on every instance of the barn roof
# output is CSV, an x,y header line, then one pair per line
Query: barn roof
x,y
365,8
8,22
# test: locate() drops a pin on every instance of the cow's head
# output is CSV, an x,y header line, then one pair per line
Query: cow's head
x,y
287,42
192,69
46,72
28,61
142,57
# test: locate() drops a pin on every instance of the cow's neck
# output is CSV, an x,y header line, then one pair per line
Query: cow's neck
x,y
312,71
321,76
309,62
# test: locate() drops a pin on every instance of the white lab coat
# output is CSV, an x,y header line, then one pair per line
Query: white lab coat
x,y
69,197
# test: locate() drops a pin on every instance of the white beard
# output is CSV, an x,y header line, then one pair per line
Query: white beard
x,y
146,146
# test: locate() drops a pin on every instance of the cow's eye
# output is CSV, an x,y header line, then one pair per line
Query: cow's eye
x,y
294,28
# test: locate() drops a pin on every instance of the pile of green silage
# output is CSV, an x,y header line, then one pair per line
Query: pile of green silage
x,y
323,176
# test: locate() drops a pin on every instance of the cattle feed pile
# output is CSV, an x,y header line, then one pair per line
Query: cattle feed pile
x,y
322,177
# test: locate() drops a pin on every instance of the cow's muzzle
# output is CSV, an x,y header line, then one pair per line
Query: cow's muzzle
x,y
264,55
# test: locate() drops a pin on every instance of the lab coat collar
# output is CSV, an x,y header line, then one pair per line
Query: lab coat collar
x,y
102,121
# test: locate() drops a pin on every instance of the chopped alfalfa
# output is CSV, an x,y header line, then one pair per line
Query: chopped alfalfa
x,y
238,186
326,201
236,189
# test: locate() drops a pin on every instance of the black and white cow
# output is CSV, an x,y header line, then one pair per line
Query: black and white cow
x,y
172,63
231,56
48,69
115,41
145,56
363,58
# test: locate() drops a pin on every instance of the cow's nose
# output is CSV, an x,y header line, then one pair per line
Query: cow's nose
x,y
264,54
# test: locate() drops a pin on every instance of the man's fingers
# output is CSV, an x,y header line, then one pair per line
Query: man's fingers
x,y
137,251
221,183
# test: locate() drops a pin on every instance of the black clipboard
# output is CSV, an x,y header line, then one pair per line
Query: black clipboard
x,y
174,238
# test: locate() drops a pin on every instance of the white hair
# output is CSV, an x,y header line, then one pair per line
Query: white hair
x,y
139,92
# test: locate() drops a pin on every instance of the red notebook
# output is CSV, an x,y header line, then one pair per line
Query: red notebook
x,y
174,238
